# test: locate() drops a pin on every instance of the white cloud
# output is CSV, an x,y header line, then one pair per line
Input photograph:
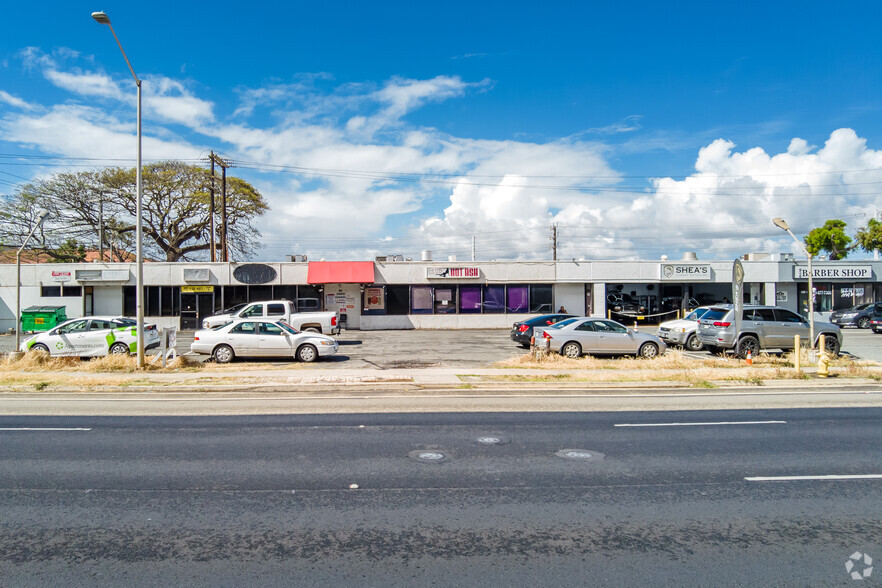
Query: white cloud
x,y
15,101
626,125
170,100
85,84
79,131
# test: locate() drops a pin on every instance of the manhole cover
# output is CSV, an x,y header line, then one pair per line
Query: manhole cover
x,y
582,454
427,456
492,440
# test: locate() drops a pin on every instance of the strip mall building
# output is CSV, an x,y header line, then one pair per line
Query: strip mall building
x,y
391,293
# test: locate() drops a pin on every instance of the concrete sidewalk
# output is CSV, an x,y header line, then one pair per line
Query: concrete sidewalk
x,y
315,378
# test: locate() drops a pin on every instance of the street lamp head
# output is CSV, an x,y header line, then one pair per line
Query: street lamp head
x,y
101,17
41,216
781,223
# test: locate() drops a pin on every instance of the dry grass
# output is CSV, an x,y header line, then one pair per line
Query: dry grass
x,y
36,361
675,366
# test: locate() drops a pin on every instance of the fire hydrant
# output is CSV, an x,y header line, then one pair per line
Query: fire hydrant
x,y
823,363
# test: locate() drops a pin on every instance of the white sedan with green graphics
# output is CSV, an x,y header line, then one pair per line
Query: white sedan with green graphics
x,y
92,336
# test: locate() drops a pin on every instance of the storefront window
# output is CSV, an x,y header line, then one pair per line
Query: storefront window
x,y
518,298
494,299
284,292
445,300
421,300
823,297
541,298
397,299
309,299
470,299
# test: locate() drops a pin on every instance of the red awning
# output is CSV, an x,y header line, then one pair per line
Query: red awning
x,y
340,272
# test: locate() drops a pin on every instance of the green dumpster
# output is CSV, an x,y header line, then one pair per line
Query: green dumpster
x,y
42,318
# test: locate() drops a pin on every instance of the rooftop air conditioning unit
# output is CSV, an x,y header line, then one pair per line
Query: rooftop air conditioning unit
x,y
297,258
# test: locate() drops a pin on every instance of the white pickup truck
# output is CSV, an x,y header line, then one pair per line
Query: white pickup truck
x,y
316,322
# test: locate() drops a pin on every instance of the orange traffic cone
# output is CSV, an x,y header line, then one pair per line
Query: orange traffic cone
x,y
749,358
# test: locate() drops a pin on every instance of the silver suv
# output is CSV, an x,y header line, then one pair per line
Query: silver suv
x,y
762,327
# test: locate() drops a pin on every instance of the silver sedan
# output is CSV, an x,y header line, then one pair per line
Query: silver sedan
x,y
261,338
597,336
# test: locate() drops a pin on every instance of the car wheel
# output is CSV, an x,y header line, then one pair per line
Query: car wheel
x,y
572,350
119,349
310,330
648,350
39,347
877,331
693,343
863,322
307,353
831,344
747,344
223,354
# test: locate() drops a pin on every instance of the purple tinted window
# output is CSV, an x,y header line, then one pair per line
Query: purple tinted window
x,y
494,299
518,298
470,299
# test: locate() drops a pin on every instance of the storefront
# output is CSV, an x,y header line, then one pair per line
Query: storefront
x,y
386,294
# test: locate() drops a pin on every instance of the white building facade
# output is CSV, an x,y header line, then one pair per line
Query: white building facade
x,y
426,294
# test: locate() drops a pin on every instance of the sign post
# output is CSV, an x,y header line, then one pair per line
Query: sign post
x,y
738,293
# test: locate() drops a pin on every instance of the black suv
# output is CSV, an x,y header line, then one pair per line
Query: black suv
x,y
857,316
522,331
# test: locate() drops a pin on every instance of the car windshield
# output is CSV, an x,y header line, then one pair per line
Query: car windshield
x,y
697,314
221,326
562,324
288,327
234,308
862,306
125,322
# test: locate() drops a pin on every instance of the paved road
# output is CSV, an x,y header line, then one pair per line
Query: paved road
x,y
269,500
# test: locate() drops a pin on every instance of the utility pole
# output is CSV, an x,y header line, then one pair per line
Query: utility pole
x,y
473,248
211,212
223,164
554,241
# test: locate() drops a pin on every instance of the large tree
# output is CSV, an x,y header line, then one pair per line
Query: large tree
x,y
831,238
176,219
869,238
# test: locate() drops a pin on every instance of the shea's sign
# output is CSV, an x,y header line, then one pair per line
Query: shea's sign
x,y
685,271
830,272
452,272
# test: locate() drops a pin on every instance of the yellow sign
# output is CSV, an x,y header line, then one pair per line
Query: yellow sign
x,y
39,321
196,289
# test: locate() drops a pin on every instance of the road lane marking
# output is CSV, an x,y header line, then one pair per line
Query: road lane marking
x,y
701,424
828,477
43,429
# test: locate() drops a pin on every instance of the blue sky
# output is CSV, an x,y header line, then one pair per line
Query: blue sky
x,y
640,129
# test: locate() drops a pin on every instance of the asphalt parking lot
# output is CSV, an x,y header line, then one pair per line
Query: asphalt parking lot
x,y
478,347
457,348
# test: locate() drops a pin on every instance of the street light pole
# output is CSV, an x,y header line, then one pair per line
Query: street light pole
x,y
41,216
102,18
782,224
